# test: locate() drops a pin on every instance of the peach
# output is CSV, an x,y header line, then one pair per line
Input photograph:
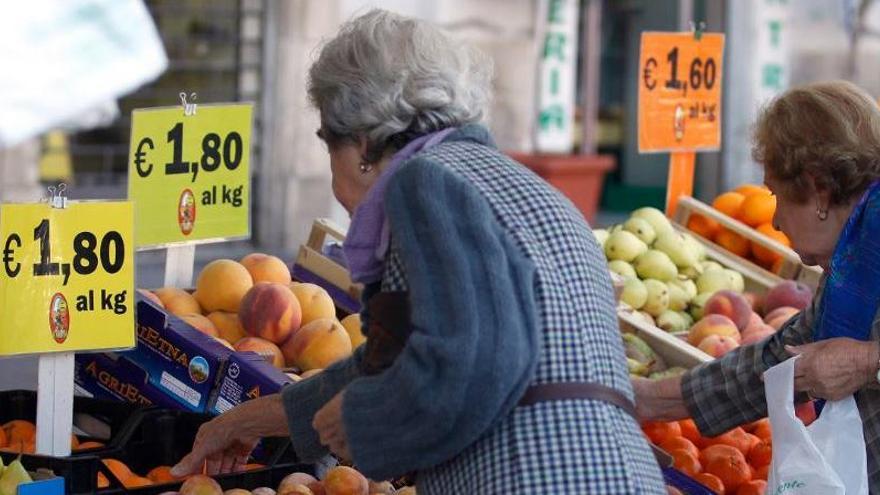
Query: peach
x,y
263,491
788,293
270,311
352,325
754,322
731,305
717,345
296,489
222,285
199,484
228,326
317,488
779,316
343,480
266,268
293,479
315,302
237,491
381,488
201,324
152,297
713,325
178,301
757,333
317,345
755,300
269,351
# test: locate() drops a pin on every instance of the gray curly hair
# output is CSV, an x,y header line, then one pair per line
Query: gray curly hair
x,y
387,79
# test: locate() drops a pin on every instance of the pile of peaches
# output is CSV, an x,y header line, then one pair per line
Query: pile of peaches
x,y
253,305
731,319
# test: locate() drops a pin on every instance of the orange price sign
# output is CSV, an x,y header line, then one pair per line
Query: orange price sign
x,y
680,92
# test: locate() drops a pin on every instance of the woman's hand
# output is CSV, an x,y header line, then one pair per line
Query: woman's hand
x,y
659,400
331,430
835,368
224,444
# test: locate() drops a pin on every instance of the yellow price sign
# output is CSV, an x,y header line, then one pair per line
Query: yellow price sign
x,y
66,277
189,175
680,92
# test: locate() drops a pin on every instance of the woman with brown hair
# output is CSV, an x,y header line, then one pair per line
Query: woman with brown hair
x,y
820,148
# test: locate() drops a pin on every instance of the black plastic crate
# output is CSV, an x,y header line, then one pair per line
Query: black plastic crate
x,y
117,416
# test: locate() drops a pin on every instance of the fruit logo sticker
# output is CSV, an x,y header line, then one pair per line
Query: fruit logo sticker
x,y
59,318
199,369
186,211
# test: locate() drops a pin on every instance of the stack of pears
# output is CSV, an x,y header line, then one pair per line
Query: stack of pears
x,y
11,476
667,276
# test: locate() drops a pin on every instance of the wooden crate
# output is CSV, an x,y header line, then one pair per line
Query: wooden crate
x,y
791,269
313,266
673,350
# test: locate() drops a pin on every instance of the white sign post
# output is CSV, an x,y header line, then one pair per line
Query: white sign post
x,y
558,70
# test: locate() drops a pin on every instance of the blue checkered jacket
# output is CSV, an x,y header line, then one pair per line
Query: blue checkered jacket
x,y
508,289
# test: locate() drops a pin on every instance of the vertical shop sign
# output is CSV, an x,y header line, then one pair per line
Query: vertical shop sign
x,y
558,63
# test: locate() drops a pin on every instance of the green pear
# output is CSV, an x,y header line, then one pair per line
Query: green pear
x,y
678,298
710,265
668,373
656,264
658,297
601,236
656,218
712,281
688,286
691,272
634,293
687,317
622,268
675,246
698,304
615,228
624,245
697,247
636,368
641,228
737,283
15,474
672,322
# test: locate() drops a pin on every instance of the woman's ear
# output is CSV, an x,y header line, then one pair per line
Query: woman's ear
x,y
362,146
821,193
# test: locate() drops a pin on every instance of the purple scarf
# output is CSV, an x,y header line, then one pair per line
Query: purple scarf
x,y
369,235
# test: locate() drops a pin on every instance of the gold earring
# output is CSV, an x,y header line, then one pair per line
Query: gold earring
x,y
365,167
822,214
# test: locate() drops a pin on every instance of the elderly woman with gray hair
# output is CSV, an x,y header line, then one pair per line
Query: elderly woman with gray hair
x,y
493,361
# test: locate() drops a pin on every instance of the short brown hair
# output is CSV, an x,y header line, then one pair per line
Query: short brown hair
x,y
828,130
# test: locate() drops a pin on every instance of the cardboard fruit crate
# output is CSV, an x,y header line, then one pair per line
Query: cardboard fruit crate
x,y
673,350
792,268
314,265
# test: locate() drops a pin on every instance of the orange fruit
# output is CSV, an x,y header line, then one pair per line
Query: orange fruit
x,y
253,466
19,430
711,482
749,189
754,487
690,431
137,481
660,431
103,482
762,429
74,442
89,445
761,473
161,474
777,265
757,209
761,454
673,443
733,242
736,438
118,468
703,226
767,256
729,466
685,462
729,203
3,439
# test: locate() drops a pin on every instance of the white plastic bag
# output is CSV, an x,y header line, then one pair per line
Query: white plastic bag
x,y
826,458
